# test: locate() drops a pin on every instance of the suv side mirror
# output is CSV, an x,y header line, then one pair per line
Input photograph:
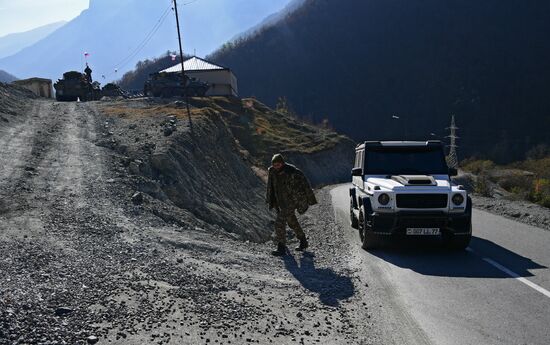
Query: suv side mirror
x,y
356,172
453,172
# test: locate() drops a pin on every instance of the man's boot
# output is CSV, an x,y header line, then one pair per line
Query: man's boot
x,y
303,245
281,250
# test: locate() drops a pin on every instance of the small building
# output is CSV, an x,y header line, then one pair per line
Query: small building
x,y
221,79
39,86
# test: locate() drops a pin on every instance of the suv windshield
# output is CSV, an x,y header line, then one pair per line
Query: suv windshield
x,y
405,161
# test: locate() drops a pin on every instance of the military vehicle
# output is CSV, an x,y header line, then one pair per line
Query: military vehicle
x,y
113,90
170,84
74,86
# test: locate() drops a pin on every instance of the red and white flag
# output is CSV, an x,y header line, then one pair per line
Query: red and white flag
x,y
174,56
86,54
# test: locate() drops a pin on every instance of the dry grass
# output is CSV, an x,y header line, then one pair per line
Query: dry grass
x,y
124,111
260,131
263,131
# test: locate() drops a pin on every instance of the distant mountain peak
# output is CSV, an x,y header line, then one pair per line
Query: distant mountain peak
x,y
5,77
120,33
15,42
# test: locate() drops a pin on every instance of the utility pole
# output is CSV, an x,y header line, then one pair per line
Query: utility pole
x,y
179,40
183,77
452,158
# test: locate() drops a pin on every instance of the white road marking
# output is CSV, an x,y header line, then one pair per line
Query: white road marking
x,y
514,274
518,277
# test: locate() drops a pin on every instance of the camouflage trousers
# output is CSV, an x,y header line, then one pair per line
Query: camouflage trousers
x,y
284,217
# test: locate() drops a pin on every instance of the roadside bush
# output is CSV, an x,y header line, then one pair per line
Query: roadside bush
x,y
540,167
477,166
517,182
541,192
527,180
483,186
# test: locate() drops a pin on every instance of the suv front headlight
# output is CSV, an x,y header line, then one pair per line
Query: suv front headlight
x,y
457,199
383,199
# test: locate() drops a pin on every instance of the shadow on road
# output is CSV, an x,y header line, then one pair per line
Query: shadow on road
x,y
430,259
331,287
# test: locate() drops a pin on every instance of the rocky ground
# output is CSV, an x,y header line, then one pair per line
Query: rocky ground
x,y
519,210
89,258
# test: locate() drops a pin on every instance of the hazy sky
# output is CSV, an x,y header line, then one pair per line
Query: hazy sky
x,y
23,15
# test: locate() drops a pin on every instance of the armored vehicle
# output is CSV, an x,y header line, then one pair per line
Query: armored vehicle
x,y
403,189
113,90
76,85
170,84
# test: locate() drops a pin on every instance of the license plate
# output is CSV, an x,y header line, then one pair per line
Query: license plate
x,y
423,231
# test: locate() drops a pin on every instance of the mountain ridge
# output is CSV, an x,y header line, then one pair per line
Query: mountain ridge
x,y
12,43
119,34
359,64
5,77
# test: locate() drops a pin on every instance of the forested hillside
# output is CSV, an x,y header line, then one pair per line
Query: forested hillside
x,y
136,78
398,69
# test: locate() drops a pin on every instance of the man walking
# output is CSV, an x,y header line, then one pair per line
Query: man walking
x,y
288,191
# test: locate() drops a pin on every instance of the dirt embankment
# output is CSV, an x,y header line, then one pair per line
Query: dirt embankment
x,y
13,102
324,155
213,169
326,167
84,260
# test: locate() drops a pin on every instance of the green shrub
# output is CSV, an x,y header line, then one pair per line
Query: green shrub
x,y
540,167
483,186
540,192
516,182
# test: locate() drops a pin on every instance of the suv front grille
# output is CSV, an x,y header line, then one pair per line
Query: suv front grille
x,y
421,200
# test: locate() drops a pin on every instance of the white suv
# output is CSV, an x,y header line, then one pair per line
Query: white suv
x,y
403,189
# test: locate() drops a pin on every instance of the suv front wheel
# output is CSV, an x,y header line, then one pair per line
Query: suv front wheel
x,y
353,219
459,242
368,239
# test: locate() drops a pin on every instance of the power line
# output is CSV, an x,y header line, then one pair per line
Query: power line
x,y
189,3
147,39
144,42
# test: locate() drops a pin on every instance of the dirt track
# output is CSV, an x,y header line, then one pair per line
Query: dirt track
x,y
79,259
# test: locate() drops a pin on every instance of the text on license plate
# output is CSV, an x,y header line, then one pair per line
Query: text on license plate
x,y
423,231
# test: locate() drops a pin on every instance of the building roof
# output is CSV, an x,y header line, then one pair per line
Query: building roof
x,y
30,80
195,64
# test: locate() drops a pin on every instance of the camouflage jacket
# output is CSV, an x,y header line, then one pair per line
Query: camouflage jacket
x,y
289,189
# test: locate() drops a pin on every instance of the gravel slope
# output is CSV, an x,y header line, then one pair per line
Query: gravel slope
x,y
13,101
518,210
81,261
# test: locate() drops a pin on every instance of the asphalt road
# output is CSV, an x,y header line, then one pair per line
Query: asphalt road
x,y
496,292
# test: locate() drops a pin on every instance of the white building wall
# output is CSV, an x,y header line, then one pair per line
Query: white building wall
x,y
222,82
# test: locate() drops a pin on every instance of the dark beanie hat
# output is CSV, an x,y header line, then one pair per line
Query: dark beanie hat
x,y
277,158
